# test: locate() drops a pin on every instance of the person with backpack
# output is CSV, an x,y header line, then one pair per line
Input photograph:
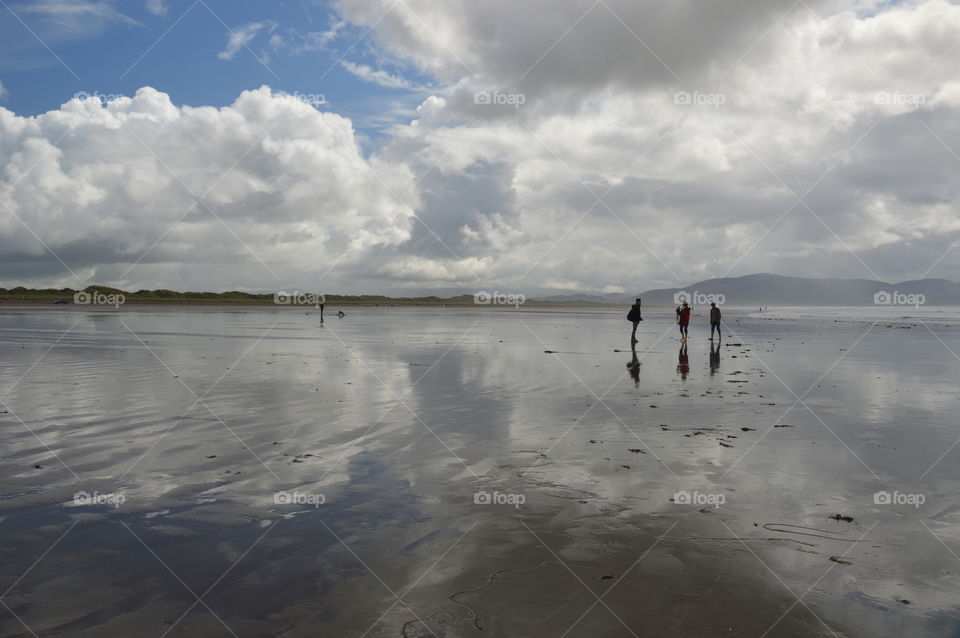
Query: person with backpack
x,y
634,317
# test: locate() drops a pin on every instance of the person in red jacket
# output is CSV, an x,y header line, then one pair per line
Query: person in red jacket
x,y
683,318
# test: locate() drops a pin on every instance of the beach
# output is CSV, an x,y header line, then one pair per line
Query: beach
x,y
249,471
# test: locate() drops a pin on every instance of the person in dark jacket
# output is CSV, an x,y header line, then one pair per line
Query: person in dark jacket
x,y
683,318
634,317
714,321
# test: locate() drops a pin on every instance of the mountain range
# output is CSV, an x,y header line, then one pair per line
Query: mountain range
x,y
764,289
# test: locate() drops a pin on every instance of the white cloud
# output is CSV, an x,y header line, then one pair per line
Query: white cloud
x,y
242,36
281,182
71,13
158,7
692,187
297,43
378,76
600,178
3,92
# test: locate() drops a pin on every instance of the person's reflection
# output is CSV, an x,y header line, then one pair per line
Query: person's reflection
x,y
714,358
683,364
634,369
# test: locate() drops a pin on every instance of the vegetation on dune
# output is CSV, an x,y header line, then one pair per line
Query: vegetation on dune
x,y
50,295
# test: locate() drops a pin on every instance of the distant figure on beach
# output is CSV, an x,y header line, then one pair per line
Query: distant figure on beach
x,y
634,369
634,317
714,321
683,318
341,314
714,358
321,312
683,363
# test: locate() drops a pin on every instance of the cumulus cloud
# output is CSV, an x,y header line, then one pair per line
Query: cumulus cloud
x,y
568,45
266,192
634,143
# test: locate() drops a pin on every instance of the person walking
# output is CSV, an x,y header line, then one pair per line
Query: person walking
x,y
634,317
683,318
714,321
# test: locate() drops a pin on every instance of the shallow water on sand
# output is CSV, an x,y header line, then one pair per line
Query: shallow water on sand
x,y
186,426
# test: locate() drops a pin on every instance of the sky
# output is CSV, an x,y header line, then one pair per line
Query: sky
x,y
410,147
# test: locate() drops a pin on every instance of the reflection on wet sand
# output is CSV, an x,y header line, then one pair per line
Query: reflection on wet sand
x,y
683,362
368,477
634,368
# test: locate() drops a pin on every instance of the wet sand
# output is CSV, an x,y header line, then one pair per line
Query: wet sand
x,y
189,427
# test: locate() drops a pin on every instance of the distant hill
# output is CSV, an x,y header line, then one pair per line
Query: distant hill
x,y
777,290
750,290
615,298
